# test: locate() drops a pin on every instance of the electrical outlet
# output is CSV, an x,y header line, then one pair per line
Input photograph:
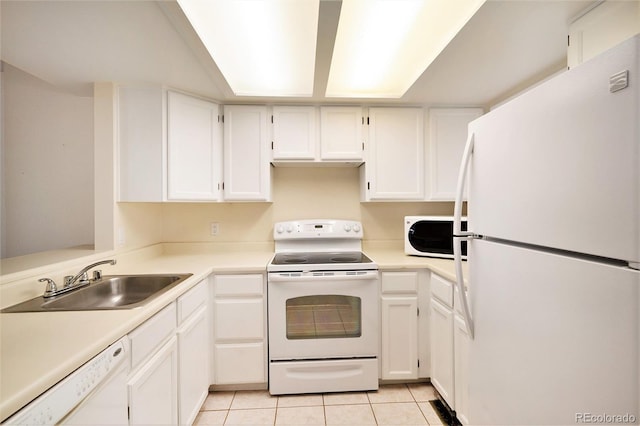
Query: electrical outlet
x,y
215,228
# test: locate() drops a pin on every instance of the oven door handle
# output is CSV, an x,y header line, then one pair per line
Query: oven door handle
x,y
322,276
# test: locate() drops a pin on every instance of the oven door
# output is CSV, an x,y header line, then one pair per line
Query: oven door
x,y
320,315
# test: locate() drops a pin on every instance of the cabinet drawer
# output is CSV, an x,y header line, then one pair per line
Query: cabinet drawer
x,y
189,302
147,337
442,289
400,282
239,285
239,363
239,319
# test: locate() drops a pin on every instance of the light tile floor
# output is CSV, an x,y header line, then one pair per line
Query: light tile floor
x,y
390,405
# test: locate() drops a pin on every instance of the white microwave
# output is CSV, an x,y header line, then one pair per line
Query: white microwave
x,y
431,236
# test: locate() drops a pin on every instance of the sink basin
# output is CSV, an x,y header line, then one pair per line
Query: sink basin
x,y
109,292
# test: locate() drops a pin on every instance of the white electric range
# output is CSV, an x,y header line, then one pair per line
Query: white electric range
x,y
323,309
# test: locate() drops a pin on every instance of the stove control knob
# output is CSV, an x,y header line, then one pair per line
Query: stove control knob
x,y
289,229
356,228
280,229
347,227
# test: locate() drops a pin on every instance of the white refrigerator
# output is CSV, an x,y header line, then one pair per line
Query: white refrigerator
x,y
553,293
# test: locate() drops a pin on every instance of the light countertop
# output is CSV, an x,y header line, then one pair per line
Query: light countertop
x,y
38,349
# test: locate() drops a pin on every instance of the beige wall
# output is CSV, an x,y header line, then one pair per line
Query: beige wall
x,y
47,166
298,193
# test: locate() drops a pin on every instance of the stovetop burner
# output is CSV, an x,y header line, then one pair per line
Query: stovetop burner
x,y
320,258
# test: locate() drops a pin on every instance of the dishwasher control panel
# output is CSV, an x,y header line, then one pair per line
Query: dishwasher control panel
x,y
62,399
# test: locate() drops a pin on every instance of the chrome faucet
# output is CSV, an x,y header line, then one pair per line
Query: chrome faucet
x,y
72,282
82,278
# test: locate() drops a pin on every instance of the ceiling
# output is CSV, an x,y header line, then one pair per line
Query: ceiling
x,y
507,46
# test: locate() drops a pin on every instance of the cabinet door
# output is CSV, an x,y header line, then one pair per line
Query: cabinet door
x,y
447,139
461,369
399,337
294,133
193,349
609,23
395,157
141,140
194,149
153,396
247,169
442,351
341,135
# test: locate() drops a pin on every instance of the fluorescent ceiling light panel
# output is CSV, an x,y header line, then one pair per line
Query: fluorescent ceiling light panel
x,y
383,46
262,47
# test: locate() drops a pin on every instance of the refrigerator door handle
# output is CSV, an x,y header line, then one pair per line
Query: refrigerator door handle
x,y
459,235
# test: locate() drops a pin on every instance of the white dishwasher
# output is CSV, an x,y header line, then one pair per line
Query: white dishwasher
x,y
94,394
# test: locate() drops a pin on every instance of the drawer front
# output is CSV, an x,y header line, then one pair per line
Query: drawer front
x,y
442,289
400,282
150,335
189,302
239,285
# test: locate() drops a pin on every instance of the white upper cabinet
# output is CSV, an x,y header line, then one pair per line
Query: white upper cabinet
x,y
247,170
604,26
307,135
194,148
169,146
341,136
447,139
294,133
394,168
141,144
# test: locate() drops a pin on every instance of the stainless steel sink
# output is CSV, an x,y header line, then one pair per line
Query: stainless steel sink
x,y
109,292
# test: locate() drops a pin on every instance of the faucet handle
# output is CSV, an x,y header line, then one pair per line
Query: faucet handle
x,y
51,286
97,274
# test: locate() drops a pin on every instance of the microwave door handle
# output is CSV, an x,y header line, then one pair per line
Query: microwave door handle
x,y
459,235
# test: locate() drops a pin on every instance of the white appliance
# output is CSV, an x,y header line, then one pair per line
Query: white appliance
x,y
431,236
94,394
554,249
322,308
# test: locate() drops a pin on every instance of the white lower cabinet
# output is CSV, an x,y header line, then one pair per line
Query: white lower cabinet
x,y
169,362
153,396
442,350
402,340
461,368
450,344
193,351
239,330
153,382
